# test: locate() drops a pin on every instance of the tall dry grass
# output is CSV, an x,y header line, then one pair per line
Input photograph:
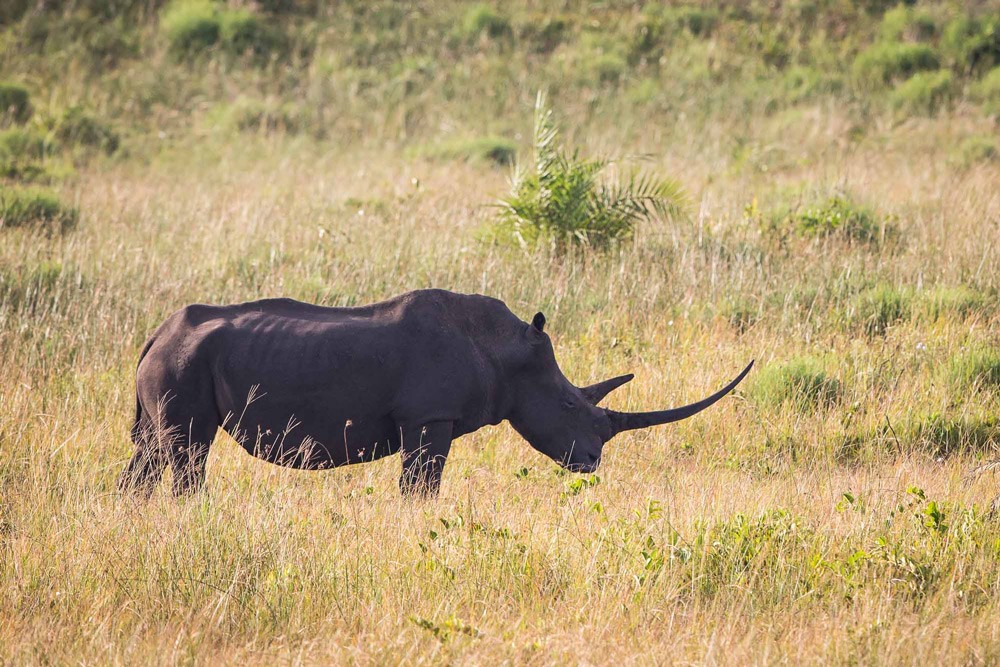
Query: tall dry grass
x,y
727,538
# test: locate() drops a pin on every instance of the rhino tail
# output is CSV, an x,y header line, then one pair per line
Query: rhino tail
x,y
136,428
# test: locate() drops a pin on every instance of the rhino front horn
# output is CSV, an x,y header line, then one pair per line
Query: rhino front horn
x,y
626,421
595,392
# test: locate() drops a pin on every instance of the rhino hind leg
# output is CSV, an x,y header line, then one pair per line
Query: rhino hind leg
x,y
143,471
424,450
179,432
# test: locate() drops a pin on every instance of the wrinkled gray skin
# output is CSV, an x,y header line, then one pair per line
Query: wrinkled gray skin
x,y
311,387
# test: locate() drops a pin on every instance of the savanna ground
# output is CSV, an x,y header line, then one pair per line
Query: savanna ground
x,y
841,225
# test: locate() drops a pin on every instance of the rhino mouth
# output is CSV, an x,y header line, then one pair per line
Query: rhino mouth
x,y
589,466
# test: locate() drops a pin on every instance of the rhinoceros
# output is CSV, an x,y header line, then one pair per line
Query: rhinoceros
x,y
312,387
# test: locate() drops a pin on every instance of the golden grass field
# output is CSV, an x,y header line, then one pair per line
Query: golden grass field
x,y
762,531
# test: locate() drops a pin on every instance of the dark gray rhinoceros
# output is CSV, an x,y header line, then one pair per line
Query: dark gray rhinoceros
x,y
311,387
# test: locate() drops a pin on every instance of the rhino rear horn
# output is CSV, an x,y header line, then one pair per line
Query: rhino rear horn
x,y
595,392
626,421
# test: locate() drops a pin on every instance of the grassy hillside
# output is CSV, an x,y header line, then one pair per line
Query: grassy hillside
x,y
834,170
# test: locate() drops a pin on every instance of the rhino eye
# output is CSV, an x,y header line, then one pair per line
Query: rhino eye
x,y
569,405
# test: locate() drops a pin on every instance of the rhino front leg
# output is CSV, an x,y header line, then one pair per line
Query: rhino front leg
x,y
424,449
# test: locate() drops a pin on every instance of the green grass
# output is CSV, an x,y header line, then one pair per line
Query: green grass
x,y
924,92
878,308
837,216
497,151
958,302
976,368
885,62
801,383
191,26
15,103
35,208
483,19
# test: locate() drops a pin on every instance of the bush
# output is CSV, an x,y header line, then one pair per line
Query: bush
x,y
607,68
242,32
23,145
192,26
904,23
543,33
987,91
960,301
878,308
562,198
34,207
77,127
885,62
15,103
483,19
836,217
972,43
496,150
265,116
800,382
941,435
924,92
976,368
975,150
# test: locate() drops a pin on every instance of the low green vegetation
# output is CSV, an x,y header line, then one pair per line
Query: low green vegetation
x,y
802,383
562,198
15,103
946,303
987,91
978,368
836,216
941,435
193,28
924,92
484,20
35,208
491,150
877,308
885,62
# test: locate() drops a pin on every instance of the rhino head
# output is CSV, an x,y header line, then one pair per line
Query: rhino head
x,y
564,422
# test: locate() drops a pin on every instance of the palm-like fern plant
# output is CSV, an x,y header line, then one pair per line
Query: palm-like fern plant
x,y
562,197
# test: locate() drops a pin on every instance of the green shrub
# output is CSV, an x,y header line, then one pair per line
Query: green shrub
x,y
562,198
987,91
191,26
543,33
971,43
78,127
607,67
658,25
34,207
975,150
924,92
878,308
482,19
264,116
23,145
940,435
802,383
15,103
976,368
242,32
802,82
885,62
959,301
496,150
904,23
837,217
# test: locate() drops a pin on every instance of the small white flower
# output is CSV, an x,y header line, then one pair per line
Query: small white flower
x,y
921,347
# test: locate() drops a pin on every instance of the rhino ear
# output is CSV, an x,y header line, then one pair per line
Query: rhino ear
x,y
538,321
